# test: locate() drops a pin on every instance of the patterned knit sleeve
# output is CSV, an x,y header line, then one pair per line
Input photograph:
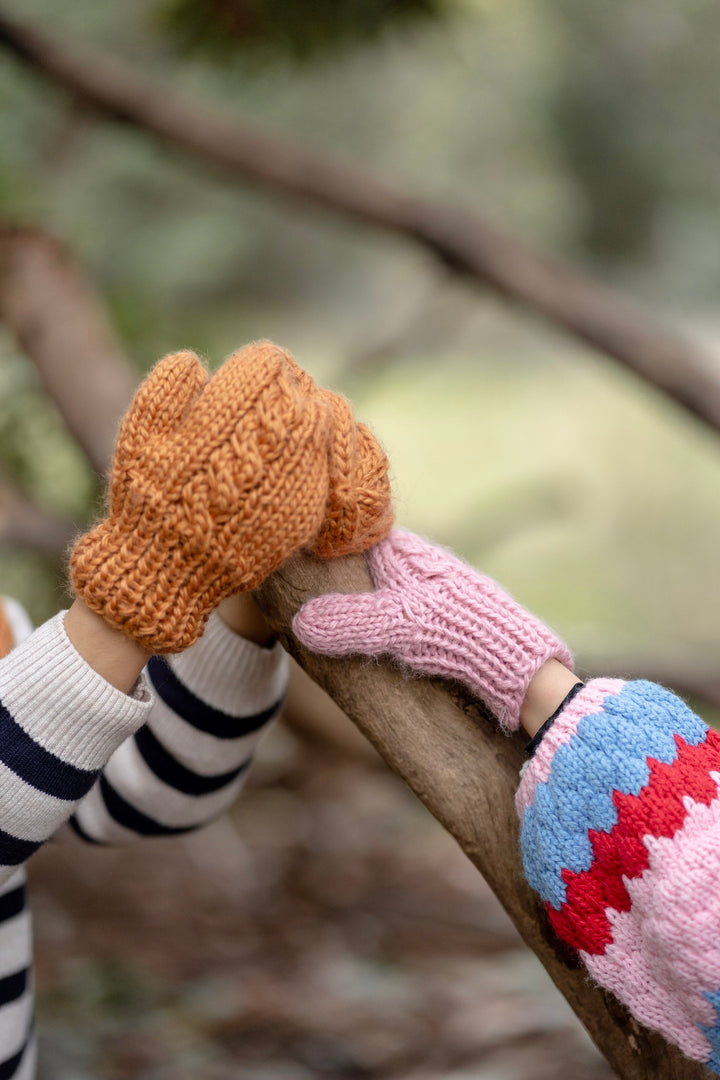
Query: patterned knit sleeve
x,y
187,764
620,836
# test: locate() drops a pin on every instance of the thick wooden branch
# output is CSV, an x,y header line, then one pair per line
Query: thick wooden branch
x,y
25,524
59,321
466,773
463,241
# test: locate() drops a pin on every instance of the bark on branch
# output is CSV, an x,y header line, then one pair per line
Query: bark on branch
x,y
466,773
50,307
463,241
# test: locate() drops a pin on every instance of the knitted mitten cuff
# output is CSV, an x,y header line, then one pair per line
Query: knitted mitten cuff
x,y
434,613
620,836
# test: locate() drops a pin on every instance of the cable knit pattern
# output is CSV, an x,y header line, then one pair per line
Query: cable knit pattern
x,y
620,836
216,482
359,512
436,614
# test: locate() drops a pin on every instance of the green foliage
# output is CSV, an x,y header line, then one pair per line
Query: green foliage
x,y
223,29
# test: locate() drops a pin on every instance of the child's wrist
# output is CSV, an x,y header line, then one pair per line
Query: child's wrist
x,y
547,690
117,658
241,614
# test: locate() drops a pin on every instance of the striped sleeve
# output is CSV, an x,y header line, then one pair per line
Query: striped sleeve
x,y
17,1039
620,836
60,722
187,764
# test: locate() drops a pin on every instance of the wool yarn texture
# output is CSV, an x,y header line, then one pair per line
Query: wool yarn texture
x,y
6,634
435,614
216,481
359,511
620,836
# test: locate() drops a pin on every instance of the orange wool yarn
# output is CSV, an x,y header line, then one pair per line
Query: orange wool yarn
x,y
216,482
6,634
359,509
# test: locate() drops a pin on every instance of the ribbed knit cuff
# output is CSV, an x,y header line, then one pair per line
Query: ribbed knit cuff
x,y
231,673
504,659
498,646
63,704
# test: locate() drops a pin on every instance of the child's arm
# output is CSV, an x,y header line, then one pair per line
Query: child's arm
x,y
115,657
546,692
62,711
619,802
189,761
253,675
60,721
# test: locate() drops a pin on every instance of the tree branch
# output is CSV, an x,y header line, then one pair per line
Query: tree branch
x,y
463,241
58,320
465,772
25,524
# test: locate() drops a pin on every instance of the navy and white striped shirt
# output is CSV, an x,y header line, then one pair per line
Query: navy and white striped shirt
x,y
163,760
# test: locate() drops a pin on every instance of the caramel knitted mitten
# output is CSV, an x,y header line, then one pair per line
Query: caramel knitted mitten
x,y
215,483
359,511
436,614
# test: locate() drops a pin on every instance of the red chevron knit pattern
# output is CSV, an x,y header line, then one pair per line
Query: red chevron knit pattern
x,y
216,482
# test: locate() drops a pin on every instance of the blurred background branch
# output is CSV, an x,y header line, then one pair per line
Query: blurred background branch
x,y
59,321
23,523
463,241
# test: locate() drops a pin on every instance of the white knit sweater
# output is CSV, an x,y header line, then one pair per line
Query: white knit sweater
x,y
165,759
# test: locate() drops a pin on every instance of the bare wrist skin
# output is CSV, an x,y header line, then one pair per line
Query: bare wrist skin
x,y
241,614
547,690
116,657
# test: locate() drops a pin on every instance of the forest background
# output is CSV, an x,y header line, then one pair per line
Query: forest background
x,y
587,131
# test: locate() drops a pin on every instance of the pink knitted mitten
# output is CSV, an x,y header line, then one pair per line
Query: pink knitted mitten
x,y
436,614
